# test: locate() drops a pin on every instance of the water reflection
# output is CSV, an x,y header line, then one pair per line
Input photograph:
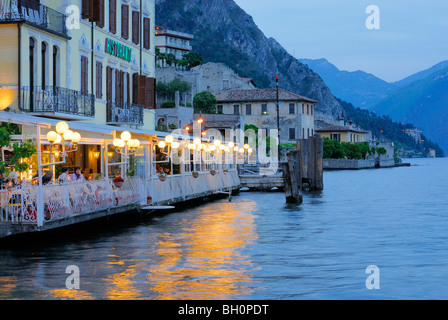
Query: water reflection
x,y
206,260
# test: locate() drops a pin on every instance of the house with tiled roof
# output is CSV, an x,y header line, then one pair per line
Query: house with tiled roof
x,y
259,107
340,133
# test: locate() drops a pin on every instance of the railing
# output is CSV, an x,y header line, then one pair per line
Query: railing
x,y
19,204
33,13
123,113
57,99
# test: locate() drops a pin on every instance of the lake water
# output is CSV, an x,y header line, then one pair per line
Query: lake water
x,y
258,247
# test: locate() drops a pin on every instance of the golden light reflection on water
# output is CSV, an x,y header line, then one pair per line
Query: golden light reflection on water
x,y
200,257
205,261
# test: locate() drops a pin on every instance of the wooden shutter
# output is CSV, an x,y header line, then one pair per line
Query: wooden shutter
x,y
136,27
109,72
142,90
113,16
86,9
135,88
146,33
125,21
95,10
84,75
150,93
128,86
99,80
100,22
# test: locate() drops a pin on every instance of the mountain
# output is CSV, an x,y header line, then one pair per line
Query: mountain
x,y
423,103
422,74
358,87
223,32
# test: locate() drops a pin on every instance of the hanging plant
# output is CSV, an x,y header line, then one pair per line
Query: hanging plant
x,y
118,181
213,172
195,174
162,177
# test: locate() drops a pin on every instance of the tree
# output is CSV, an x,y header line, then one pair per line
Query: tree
x,y
193,59
204,102
22,150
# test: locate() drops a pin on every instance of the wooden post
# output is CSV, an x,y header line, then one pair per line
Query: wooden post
x,y
295,176
311,163
287,182
319,175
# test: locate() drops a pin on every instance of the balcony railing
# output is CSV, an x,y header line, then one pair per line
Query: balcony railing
x,y
57,100
124,113
34,13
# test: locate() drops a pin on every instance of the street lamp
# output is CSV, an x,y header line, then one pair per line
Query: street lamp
x,y
129,145
67,138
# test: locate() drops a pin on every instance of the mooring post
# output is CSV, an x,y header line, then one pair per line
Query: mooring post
x,y
294,161
287,181
319,185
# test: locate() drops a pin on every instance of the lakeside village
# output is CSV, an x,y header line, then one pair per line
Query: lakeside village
x,y
100,110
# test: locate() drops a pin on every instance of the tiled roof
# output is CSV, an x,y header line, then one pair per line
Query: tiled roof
x,y
263,95
321,126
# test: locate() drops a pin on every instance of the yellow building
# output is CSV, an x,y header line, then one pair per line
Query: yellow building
x,y
340,133
90,61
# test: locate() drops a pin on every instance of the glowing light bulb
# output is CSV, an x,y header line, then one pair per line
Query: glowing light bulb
x,y
175,145
169,139
58,139
52,136
68,135
217,143
197,141
76,137
231,144
125,136
61,127
161,144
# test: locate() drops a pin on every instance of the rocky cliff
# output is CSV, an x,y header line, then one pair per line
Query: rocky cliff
x,y
225,33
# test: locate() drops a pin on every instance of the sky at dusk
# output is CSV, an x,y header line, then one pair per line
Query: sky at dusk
x,y
413,35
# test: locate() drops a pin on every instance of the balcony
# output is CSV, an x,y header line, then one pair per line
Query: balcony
x,y
58,103
35,14
124,114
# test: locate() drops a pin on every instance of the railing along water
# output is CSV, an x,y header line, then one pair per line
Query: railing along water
x,y
19,204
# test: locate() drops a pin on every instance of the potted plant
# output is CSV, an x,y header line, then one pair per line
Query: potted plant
x,y
225,170
213,172
195,174
162,177
148,200
118,181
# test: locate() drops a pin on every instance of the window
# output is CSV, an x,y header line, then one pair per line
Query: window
x,y
292,133
146,33
99,80
292,108
248,109
236,109
335,136
113,16
220,111
84,74
264,108
307,109
136,27
312,109
303,108
125,21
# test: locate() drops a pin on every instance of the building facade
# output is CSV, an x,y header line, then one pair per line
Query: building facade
x,y
341,133
258,107
173,42
91,61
